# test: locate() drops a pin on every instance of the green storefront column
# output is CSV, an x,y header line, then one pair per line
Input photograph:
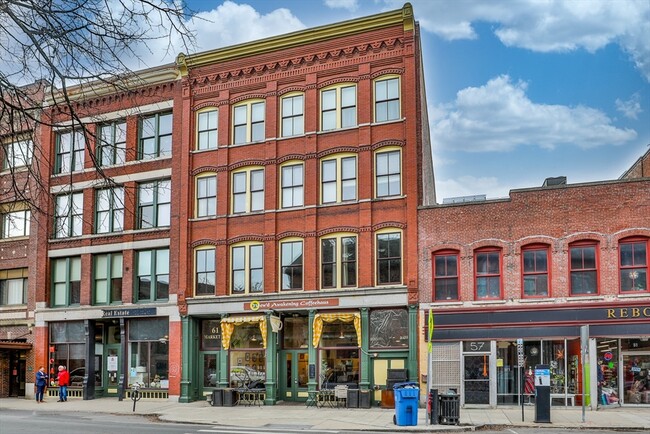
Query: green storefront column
x,y
271,363
224,356
186,371
413,344
312,383
364,382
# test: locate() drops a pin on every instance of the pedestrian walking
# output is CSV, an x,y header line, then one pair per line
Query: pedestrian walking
x,y
41,384
64,382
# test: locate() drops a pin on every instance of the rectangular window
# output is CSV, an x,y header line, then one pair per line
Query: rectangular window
x,y
445,276
488,275
389,177
155,136
339,108
292,116
205,272
70,148
291,268
338,186
68,216
339,262
387,100
153,275
248,122
207,130
16,224
18,154
292,186
634,266
66,281
109,210
247,269
389,258
584,274
112,144
248,199
154,204
108,278
206,196
535,272
13,287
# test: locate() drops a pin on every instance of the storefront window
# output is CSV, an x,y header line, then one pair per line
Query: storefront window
x,y
247,355
636,370
67,339
339,366
210,378
294,332
389,328
339,334
149,352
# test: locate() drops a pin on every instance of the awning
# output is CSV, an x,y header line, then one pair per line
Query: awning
x,y
15,346
320,318
228,327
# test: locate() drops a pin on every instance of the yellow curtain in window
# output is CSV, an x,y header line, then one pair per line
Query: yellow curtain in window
x,y
228,327
320,318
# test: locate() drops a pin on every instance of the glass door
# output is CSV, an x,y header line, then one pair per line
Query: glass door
x,y
294,375
476,379
113,371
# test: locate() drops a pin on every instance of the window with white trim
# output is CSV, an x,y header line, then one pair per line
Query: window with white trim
x,y
155,136
339,178
154,204
291,265
68,217
248,190
152,282
206,195
292,185
70,148
66,281
388,173
338,107
293,117
112,144
248,122
207,128
339,261
109,210
204,263
107,271
15,223
13,286
247,266
387,103
18,154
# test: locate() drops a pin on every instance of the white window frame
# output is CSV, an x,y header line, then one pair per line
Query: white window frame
x,y
387,172
18,154
13,287
245,118
292,184
68,217
109,208
285,262
292,117
206,269
389,232
112,143
339,182
15,224
339,260
207,129
206,195
388,99
249,197
248,258
160,203
74,148
334,108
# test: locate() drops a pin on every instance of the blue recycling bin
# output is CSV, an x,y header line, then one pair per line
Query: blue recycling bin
x,y
407,397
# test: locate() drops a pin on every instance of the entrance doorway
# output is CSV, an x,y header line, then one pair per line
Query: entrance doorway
x,y
113,371
17,365
476,379
293,375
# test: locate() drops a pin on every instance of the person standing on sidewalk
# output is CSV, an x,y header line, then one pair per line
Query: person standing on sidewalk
x,y
64,382
41,384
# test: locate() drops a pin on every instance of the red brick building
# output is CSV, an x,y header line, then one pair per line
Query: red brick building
x,y
536,266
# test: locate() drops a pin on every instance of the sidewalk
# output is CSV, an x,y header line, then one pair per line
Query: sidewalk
x,y
297,417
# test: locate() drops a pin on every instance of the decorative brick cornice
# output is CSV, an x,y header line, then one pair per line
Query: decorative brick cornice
x,y
349,229
291,89
291,157
204,169
204,242
246,163
290,234
248,96
397,225
337,81
396,71
390,142
204,104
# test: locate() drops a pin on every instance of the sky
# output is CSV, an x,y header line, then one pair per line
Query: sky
x,y
517,90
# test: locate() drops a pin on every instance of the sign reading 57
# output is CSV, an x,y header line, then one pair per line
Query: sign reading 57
x,y
476,346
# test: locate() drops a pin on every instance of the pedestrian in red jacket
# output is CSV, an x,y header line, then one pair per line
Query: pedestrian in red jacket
x,y
64,382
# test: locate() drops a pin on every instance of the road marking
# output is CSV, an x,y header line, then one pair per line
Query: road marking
x,y
260,431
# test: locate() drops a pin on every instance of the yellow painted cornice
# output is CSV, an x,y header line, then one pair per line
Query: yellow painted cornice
x,y
403,16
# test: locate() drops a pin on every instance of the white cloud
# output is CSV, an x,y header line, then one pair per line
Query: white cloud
x,y
545,25
351,5
630,108
498,116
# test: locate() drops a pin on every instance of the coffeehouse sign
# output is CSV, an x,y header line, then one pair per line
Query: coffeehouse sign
x,y
628,312
310,303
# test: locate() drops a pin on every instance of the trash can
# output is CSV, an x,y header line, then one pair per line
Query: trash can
x,y
217,398
352,400
407,397
449,408
364,399
229,397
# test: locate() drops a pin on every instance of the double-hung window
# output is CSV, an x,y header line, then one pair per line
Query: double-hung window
x,y
66,281
207,127
247,265
488,274
535,271
583,268
633,265
112,144
107,271
155,136
70,148
248,190
13,286
205,271
152,282
293,118
339,261
154,204
387,107
389,258
15,223
445,276
291,265
292,185
388,173
68,216
109,210
18,154
206,196
338,107
339,179
248,122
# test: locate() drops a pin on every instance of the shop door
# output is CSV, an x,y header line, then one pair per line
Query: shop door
x,y
209,372
112,372
17,374
293,375
476,379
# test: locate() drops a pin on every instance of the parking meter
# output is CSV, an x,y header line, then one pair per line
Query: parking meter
x,y
135,393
